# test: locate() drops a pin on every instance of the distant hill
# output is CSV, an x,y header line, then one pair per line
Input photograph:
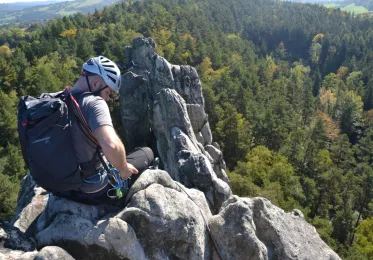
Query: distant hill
x,y
11,7
353,6
29,12
309,1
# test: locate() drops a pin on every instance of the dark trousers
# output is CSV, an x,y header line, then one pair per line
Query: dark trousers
x,y
141,158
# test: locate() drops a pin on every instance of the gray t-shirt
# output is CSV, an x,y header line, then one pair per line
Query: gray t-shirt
x,y
96,113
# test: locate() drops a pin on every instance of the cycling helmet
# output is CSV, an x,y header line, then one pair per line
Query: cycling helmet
x,y
107,69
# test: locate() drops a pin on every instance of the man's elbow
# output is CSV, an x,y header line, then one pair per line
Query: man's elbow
x,y
108,139
111,145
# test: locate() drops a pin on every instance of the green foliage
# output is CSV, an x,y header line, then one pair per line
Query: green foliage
x,y
364,238
242,185
50,74
8,195
267,174
234,133
15,166
325,229
8,118
363,149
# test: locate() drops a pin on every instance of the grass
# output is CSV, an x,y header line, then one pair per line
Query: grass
x,y
76,6
352,8
45,8
87,3
355,9
66,13
7,18
331,5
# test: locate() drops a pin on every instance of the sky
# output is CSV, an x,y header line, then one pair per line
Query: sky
x,y
17,1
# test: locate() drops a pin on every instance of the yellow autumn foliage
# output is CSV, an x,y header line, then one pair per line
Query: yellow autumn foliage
x,y
69,33
318,36
5,51
331,127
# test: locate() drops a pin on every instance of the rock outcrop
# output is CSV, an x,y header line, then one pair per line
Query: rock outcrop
x,y
185,210
170,105
30,204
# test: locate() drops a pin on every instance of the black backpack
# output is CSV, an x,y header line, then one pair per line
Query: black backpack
x,y
44,128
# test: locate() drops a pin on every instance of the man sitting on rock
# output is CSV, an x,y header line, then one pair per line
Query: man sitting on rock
x,y
101,77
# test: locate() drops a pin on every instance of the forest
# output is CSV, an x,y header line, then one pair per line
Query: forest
x,y
288,89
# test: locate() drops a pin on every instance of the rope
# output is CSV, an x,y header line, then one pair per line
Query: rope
x,y
112,174
215,244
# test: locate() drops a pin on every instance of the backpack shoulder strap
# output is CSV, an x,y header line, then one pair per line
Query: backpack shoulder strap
x,y
84,125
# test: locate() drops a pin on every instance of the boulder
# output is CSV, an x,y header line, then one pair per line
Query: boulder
x,y
260,230
167,221
12,238
8,254
53,253
31,203
26,193
159,209
87,232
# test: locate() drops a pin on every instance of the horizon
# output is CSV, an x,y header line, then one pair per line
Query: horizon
x,y
19,1
23,1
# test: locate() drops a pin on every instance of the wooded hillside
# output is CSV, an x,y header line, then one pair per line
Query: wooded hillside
x,y
288,89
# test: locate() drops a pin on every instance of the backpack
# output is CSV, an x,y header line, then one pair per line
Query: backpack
x,y
45,133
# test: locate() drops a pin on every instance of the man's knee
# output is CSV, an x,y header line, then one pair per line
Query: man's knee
x,y
141,158
149,153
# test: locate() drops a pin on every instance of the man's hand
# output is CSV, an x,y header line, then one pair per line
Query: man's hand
x,y
114,151
125,174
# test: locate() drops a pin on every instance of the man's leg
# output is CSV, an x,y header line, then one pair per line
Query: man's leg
x,y
141,158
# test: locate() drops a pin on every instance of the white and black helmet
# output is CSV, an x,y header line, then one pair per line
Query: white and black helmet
x,y
107,69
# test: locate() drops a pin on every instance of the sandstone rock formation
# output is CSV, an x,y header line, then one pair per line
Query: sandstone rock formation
x,y
167,100
185,210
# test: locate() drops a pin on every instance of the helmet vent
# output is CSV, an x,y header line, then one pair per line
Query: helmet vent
x,y
113,79
111,71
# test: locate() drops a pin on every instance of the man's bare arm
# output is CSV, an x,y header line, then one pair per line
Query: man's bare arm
x,y
114,151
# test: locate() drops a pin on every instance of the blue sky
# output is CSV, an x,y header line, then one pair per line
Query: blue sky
x,y
17,1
